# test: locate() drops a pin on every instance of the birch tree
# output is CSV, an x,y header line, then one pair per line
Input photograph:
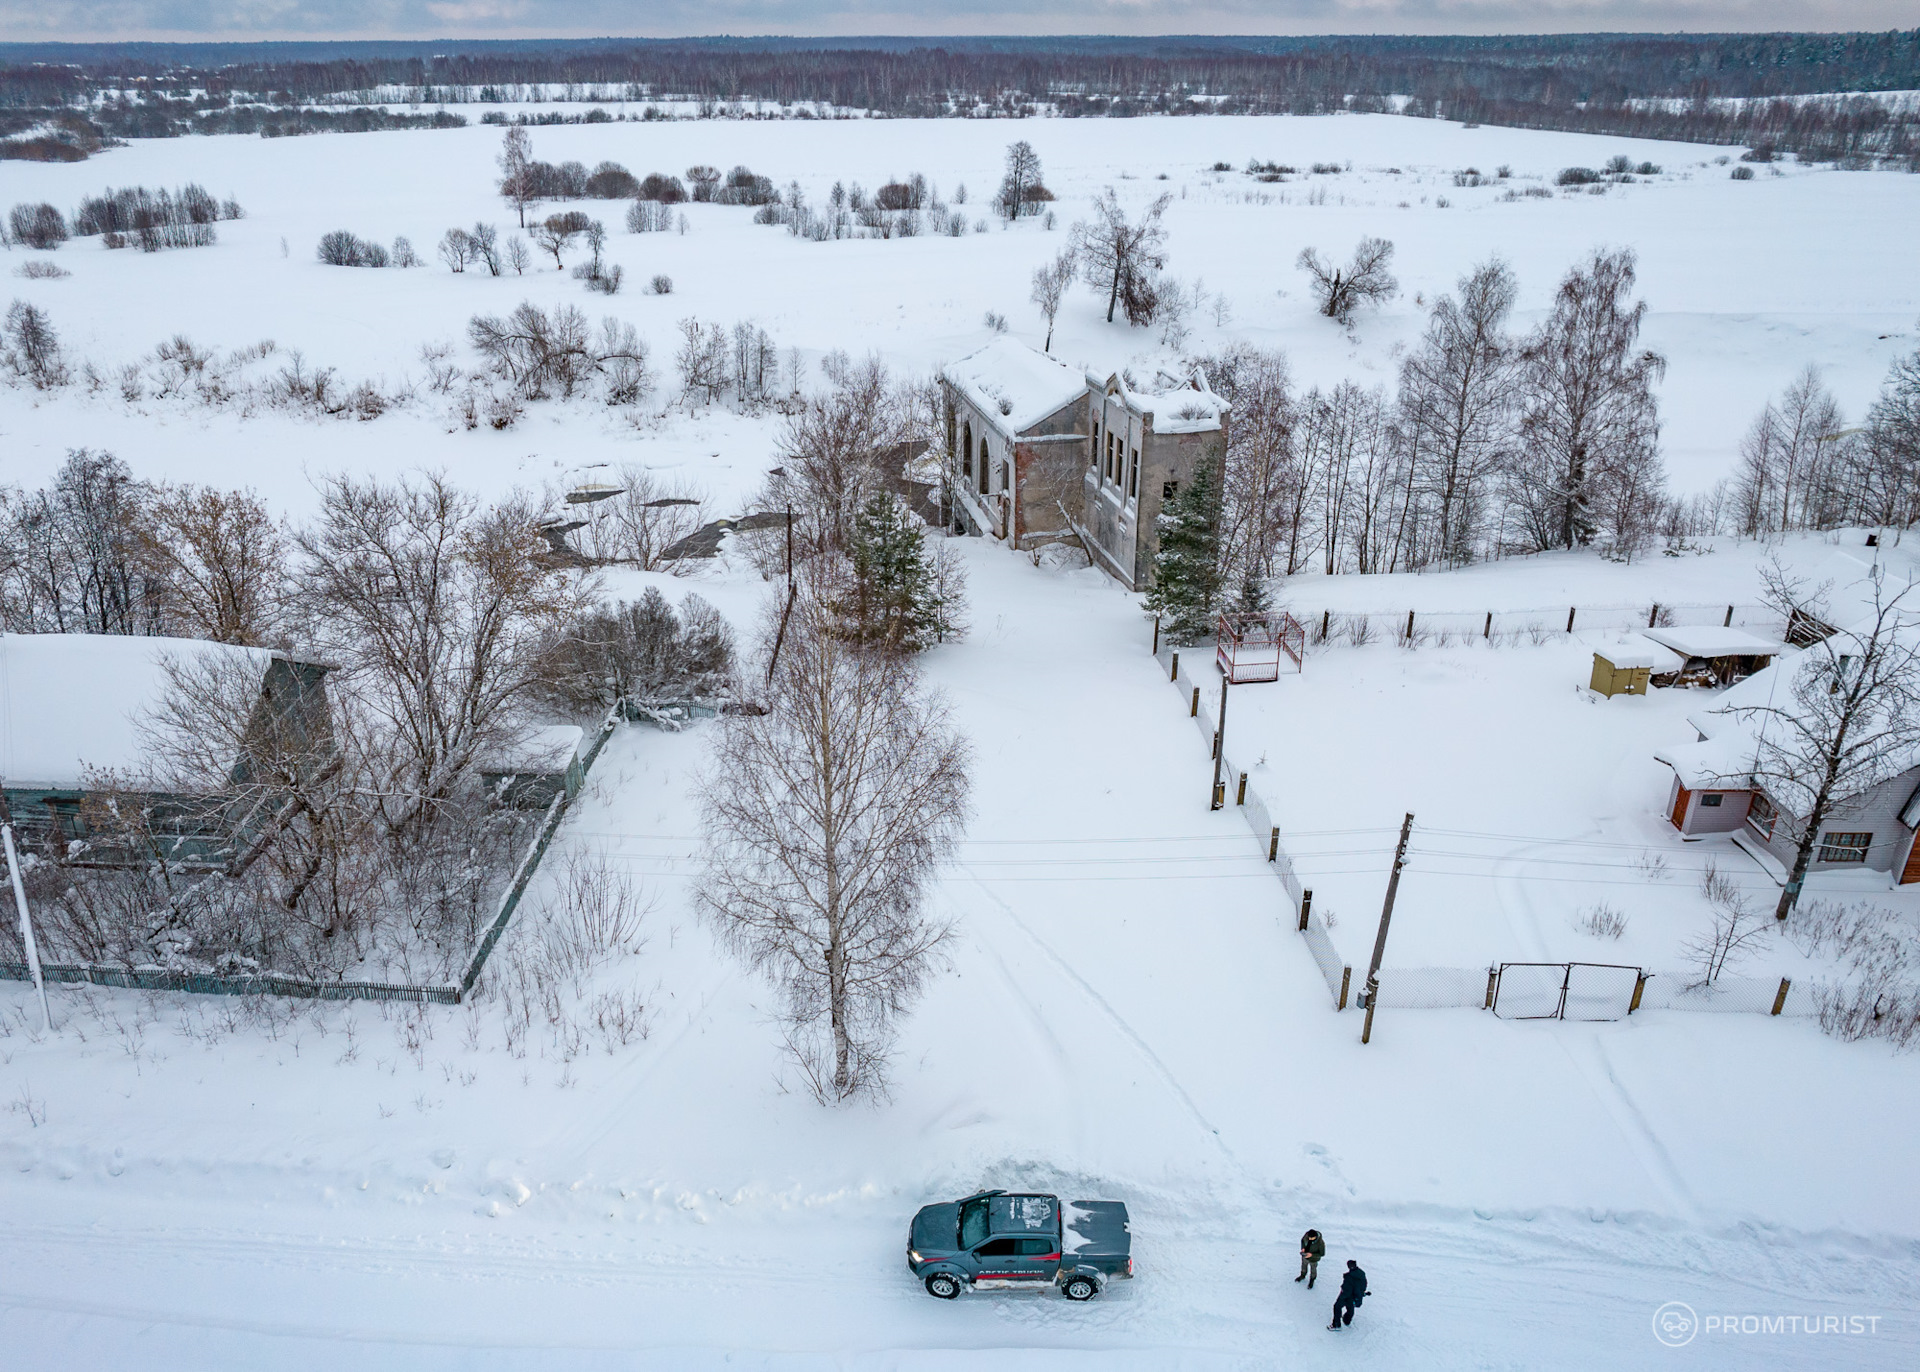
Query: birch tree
x,y
825,821
1590,418
1457,398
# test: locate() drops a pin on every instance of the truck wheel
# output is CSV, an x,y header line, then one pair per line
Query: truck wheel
x,y
1079,1289
944,1285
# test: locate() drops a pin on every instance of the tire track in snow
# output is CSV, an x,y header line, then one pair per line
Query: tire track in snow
x,y
1125,1029
1589,1055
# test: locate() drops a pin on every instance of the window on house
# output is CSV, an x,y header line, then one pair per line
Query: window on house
x,y
1168,489
966,451
1761,815
1711,801
986,473
1844,847
1133,476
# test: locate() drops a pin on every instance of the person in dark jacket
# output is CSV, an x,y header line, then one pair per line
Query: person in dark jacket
x,y
1312,1249
1353,1288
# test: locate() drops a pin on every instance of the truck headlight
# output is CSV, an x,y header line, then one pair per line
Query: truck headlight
x,y
913,1255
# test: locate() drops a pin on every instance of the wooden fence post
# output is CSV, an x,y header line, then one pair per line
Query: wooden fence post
x,y
1242,800
1156,635
1346,976
1493,981
1639,988
1175,674
1780,996
1273,845
1193,711
1729,623
1653,615
1409,626
1570,610
1326,624
1487,632
1306,907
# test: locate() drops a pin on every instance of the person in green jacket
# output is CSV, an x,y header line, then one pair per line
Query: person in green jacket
x,y
1312,1249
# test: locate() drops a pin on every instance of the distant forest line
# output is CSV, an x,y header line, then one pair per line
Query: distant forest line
x,y
1716,88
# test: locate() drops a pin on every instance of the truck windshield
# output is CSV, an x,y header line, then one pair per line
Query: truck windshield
x,y
973,1223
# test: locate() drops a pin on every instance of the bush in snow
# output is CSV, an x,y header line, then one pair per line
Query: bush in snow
x,y
30,349
343,249
40,270
38,226
1342,290
638,652
649,216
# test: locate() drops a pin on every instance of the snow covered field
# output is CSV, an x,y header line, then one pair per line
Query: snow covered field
x,y
196,1183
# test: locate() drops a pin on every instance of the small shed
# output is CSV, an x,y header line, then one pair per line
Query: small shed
x,y
1623,670
536,767
1714,656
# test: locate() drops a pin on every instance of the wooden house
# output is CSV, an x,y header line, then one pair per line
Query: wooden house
x,y
1715,790
72,709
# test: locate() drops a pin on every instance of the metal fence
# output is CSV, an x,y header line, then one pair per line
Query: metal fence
x,y
1354,627
208,984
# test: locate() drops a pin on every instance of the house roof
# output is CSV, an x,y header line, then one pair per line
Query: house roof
x,y
1014,386
1731,733
549,748
1710,640
1190,409
73,702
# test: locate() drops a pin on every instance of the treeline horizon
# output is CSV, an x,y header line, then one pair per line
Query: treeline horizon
x,y
1647,85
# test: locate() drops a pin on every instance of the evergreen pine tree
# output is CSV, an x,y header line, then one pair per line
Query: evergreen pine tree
x,y
1186,571
895,599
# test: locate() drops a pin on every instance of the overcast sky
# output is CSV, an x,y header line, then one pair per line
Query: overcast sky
x,y
264,19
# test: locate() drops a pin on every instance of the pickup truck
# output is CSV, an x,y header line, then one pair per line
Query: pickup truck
x,y
1019,1241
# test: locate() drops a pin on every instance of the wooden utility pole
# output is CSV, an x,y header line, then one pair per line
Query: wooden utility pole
x,y
1372,989
1217,796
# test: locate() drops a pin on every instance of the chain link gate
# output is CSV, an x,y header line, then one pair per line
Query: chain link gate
x,y
1587,991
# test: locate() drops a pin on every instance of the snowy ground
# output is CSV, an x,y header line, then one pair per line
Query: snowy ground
x,y
1746,282
1127,1017
191,1183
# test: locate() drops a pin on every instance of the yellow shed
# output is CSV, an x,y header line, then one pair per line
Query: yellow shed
x,y
1622,671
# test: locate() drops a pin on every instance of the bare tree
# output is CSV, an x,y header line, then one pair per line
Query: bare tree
x,y
1458,402
31,349
702,361
485,244
518,182
825,820
1787,475
1265,494
1021,179
557,232
221,564
456,249
1050,284
1731,938
434,608
538,353
75,553
1122,257
1590,421
517,256
1851,720
638,525
1342,290
837,446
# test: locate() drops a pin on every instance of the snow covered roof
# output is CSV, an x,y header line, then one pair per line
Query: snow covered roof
x,y
1014,386
550,748
70,702
1710,640
1731,732
1843,592
1190,409
1652,655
